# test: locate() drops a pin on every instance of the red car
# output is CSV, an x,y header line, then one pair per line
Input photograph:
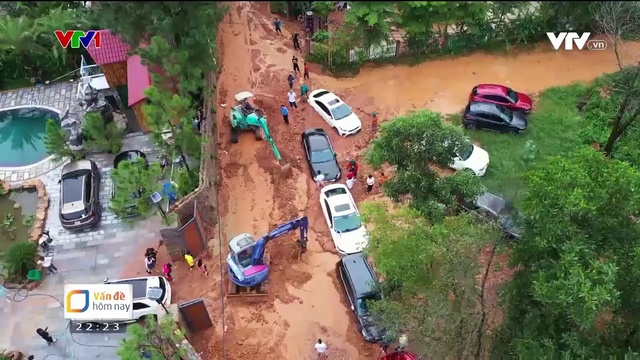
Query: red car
x,y
501,95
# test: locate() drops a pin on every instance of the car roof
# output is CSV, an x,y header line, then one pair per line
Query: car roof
x,y
338,195
362,277
328,98
140,285
491,89
492,202
77,165
478,106
316,94
318,142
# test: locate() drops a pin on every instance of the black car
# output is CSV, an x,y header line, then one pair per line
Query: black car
x,y
79,195
361,287
130,156
495,209
494,117
320,154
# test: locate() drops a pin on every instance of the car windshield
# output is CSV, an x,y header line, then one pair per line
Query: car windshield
x,y
341,112
321,156
505,114
72,188
512,95
465,151
346,223
365,302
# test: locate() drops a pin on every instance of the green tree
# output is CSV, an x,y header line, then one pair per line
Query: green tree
x,y
100,136
414,143
133,184
55,142
431,285
323,8
371,20
161,341
20,258
577,292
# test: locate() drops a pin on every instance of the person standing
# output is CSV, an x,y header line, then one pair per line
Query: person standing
x,y
150,264
202,267
304,89
321,349
167,269
382,178
277,24
353,166
291,96
290,79
285,114
45,335
350,181
370,181
319,179
296,43
374,123
47,263
189,259
306,70
296,67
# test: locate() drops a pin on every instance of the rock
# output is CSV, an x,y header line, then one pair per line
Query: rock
x,y
5,187
120,120
31,183
72,127
43,203
36,233
16,206
42,191
41,214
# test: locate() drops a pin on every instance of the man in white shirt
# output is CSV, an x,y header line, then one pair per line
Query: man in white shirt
x,y
319,179
321,348
47,263
370,181
291,96
350,181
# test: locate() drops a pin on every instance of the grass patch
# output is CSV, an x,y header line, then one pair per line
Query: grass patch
x,y
554,129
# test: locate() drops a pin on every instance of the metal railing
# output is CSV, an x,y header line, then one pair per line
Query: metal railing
x,y
91,70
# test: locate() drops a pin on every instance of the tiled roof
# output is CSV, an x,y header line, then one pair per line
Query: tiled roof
x,y
138,79
111,50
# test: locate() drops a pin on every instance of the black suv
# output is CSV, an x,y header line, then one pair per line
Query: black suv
x,y
79,197
361,286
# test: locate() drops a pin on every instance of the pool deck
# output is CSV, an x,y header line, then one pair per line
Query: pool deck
x,y
60,96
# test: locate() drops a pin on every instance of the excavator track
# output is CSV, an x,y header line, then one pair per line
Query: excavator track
x,y
235,291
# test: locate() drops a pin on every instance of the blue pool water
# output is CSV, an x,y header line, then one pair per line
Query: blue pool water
x,y
22,134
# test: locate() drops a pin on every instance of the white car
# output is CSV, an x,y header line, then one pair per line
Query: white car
x,y
343,218
335,112
473,158
142,305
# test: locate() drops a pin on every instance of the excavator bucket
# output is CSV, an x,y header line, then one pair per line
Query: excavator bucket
x,y
286,170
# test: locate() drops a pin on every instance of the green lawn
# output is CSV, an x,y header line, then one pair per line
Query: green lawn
x,y
554,127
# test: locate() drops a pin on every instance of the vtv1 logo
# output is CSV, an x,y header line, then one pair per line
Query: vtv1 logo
x,y
570,37
76,37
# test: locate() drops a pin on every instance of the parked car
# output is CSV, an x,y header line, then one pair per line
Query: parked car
x,y
131,156
495,208
79,195
493,117
335,112
361,286
471,157
320,154
343,218
501,95
142,305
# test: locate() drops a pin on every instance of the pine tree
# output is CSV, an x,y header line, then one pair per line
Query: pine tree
x,y
158,340
55,142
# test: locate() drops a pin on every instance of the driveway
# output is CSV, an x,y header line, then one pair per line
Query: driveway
x,y
85,257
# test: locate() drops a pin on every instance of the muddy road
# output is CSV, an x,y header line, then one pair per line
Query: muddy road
x,y
305,301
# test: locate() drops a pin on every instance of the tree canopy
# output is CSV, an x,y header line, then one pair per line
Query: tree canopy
x,y
133,184
577,292
155,341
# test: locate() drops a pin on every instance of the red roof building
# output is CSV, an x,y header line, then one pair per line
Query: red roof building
x,y
138,80
111,49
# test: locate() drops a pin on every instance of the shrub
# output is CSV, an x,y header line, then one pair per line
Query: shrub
x,y
278,7
187,181
100,136
20,258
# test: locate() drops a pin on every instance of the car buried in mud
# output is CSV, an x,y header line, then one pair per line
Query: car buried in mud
x,y
343,218
320,154
493,117
501,95
335,112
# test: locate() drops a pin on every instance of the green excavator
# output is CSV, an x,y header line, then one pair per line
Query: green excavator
x,y
246,117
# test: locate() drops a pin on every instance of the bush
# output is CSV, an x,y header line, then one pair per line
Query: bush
x,y
100,136
20,258
188,181
278,7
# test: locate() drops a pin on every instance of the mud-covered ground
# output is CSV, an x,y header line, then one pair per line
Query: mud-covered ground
x,y
305,301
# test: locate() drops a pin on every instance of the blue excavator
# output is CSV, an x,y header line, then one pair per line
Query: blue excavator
x,y
248,261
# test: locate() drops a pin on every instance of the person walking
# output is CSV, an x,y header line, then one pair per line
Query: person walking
x,y
374,123
319,179
151,252
370,181
150,264
321,349
167,269
285,114
45,335
290,80
291,96
350,181
306,70
47,263
296,67
304,89
296,43
277,24
202,267
189,259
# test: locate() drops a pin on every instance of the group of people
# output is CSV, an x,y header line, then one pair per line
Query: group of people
x,y
291,95
352,173
150,260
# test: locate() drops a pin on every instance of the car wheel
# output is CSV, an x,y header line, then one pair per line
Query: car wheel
x,y
336,130
515,132
470,126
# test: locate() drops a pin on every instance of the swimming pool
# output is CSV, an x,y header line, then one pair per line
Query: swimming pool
x,y
22,132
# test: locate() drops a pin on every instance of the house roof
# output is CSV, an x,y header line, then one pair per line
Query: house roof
x,y
138,79
111,50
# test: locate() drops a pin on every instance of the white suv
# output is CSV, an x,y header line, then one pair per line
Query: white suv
x,y
143,306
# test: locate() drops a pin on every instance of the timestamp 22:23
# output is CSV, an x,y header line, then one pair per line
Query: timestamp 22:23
x,y
96,327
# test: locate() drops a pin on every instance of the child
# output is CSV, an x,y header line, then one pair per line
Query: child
x,y
374,123
189,259
150,264
167,271
202,267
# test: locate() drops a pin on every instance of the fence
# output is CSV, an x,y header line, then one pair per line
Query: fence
x,y
385,49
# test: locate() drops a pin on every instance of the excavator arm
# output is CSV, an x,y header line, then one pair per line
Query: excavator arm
x,y
269,139
300,223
